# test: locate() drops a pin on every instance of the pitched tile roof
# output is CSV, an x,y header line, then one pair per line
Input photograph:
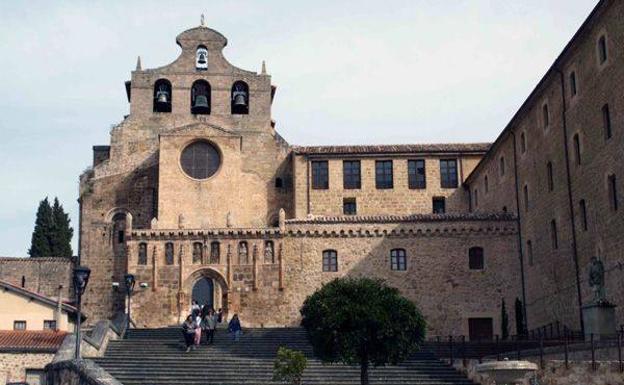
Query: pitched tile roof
x,y
36,296
33,341
449,217
393,148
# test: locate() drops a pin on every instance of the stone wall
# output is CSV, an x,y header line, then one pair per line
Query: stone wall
x,y
553,281
13,365
41,275
399,200
270,292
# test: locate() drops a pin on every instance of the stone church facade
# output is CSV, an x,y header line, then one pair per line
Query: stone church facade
x,y
200,197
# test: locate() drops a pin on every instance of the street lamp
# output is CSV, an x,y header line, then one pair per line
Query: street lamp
x,y
130,281
81,278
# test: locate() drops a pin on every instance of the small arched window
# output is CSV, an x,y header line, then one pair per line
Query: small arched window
x,y
215,252
243,253
240,98
330,261
169,253
162,95
198,252
201,58
142,260
486,184
398,260
476,258
200,97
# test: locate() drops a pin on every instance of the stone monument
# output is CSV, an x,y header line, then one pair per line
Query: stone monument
x,y
599,314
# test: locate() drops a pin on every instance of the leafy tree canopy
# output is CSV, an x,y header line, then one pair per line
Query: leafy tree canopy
x,y
362,321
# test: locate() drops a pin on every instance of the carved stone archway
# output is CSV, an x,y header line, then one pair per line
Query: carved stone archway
x,y
220,288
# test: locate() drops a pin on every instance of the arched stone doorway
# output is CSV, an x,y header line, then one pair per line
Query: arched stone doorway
x,y
208,285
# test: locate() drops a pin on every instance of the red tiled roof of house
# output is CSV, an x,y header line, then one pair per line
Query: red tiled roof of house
x,y
39,341
393,148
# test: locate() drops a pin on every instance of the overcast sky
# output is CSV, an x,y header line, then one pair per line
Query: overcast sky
x,y
347,72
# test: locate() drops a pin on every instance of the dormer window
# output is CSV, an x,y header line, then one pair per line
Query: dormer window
x,y
201,58
240,98
162,96
200,97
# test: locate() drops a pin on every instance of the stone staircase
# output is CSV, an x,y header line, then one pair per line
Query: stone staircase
x,y
158,357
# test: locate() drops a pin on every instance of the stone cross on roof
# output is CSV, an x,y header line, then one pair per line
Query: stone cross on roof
x,y
202,21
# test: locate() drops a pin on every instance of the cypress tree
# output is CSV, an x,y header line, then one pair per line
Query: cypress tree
x,y
52,234
60,239
40,241
520,327
504,321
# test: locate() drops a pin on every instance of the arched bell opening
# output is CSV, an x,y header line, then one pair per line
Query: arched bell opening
x,y
200,98
240,98
201,58
162,95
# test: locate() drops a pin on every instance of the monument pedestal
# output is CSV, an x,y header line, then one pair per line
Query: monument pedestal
x,y
599,319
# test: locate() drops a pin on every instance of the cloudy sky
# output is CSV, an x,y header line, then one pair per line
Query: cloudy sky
x,y
347,72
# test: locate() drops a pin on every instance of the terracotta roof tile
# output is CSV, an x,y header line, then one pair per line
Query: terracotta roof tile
x,y
31,340
450,217
393,148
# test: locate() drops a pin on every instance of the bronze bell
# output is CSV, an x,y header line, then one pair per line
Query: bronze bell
x,y
200,105
162,97
239,99
202,58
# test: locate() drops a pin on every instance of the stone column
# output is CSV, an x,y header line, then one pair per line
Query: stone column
x,y
280,260
229,265
255,267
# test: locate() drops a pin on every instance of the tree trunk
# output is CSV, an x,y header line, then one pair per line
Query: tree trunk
x,y
364,372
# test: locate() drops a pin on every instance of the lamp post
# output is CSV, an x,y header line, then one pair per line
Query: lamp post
x,y
81,278
130,281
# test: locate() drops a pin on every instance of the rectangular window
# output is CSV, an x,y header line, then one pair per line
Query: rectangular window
x,y
530,252
573,83
349,206
19,325
553,235
448,173
602,49
351,175
523,145
546,115
320,175
613,197
583,210
476,259
606,121
439,205
383,174
330,261
398,260
577,149
526,197
416,174
502,165
551,181
49,325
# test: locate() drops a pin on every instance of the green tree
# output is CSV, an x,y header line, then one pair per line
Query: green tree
x,y
52,234
504,321
40,242
519,310
60,239
289,366
362,321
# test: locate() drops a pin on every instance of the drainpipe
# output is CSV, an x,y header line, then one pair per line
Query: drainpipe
x,y
520,244
308,183
570,203
59,308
